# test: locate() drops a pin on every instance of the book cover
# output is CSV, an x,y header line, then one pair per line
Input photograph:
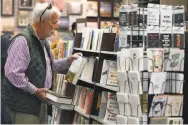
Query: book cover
x,y
75,70
112,74
111,109
116,9
153,40
158,106
135,105
133,121
158,83
179,40
155,60
135,82
88,102
123,16
105,71
82,98
74,8
123,82
174,105
103,104
121,119
124,108
92,8
137,61
105,24
105,9
124,62
176,59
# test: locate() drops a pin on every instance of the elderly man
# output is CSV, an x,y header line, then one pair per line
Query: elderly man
x,y
29,66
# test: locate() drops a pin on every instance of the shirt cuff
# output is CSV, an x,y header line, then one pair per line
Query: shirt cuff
x,y
31,88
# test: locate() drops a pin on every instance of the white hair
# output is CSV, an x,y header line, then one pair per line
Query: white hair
x,y
39,9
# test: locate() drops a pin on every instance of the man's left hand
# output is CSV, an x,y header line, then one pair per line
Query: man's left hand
x,y
72,58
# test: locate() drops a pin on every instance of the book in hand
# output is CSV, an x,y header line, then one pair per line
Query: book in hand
x,y
75,70
57,98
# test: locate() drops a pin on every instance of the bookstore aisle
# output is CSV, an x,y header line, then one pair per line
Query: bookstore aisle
x,y
132,63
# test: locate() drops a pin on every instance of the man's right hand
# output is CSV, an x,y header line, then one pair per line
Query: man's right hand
x,y
41,94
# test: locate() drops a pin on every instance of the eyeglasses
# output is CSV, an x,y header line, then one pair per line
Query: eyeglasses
x,y
47,8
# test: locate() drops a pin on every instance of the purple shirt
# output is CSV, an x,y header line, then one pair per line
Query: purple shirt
x,y
18,61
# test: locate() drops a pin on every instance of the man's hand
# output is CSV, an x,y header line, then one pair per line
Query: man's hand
x,y
73,57
41,94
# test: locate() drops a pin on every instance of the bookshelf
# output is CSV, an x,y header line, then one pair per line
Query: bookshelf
x,y
80,111
62,106
98,119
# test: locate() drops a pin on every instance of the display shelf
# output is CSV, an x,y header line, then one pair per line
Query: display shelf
x,y
107,87
85,50
62,106
110,53
90,82
80,111
98,119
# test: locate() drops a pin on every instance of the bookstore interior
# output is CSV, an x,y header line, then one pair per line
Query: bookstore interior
x,y
131,68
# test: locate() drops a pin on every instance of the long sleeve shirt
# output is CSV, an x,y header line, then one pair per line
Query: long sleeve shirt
x,y
18,61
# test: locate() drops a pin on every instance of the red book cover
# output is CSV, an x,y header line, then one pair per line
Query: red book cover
x,y
88,102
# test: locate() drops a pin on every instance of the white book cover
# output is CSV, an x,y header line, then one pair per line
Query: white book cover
x,y
122,99
174,105
158,106
104,73
135,82
111,109
133,121
137,60
155,60
176,59
153,14
123,82
95,39
101,31
87,39
166,15
135,105
121,119
124,60
112,74
75,70
158,82
87,72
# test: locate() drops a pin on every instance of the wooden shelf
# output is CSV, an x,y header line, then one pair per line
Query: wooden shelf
x,y
107,87
62,106
80,111
98,119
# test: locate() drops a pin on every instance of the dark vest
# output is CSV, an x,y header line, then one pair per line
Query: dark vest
x,y
17,99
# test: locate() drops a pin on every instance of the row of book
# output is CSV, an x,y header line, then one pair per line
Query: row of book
x,y
62,49
60,116
79,119
92,38
152,60
83,99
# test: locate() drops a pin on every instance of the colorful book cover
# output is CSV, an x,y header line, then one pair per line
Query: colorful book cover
x,y
105,9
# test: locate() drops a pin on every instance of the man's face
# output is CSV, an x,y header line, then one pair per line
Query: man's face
x,y
50,26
